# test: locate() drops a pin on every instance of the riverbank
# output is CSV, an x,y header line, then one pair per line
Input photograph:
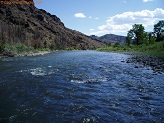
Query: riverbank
x,y
156,63
151,55
156,49
142,59
26,54
35,53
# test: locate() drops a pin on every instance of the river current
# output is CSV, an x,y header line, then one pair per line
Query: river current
x,y
79,86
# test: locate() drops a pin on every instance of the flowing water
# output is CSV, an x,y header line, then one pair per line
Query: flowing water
x,y
79,86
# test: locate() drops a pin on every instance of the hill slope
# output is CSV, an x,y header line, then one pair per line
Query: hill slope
x,y
110,38
38,28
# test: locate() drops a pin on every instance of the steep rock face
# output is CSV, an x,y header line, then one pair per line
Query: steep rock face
x,y
110,38
36,27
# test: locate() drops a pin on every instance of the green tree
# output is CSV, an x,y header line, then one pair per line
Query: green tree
x,y
159,30
128,40
137,34
145,36
131,35
151,37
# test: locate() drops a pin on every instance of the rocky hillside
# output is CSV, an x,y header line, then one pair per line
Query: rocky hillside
x,y
37,28
110,38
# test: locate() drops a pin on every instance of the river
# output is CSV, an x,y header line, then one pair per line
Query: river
x,y
79,86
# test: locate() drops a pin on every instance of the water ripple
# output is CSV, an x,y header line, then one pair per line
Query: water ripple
x,y
79,86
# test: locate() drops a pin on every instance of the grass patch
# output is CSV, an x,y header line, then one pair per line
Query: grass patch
x,y
150,53
156,49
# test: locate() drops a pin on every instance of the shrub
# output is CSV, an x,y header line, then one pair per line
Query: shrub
x,y
17,48
109,44
116,44
2,47
21,48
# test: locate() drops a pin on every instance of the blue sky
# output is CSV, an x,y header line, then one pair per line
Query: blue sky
x,y
101,17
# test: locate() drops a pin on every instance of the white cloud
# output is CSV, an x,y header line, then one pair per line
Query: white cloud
x,y
124,1
96,18
79,15
90,17
147,0
121,23
91,29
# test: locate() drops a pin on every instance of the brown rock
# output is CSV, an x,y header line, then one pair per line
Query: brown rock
x,y
29,25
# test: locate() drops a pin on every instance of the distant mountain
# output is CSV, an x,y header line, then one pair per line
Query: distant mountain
x,y
37,28
110,38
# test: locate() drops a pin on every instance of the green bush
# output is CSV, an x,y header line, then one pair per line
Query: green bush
x,y
21,48
163,44
17,48
116,44
109,44
2,47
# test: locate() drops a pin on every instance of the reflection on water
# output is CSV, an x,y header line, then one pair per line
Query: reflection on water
x,y
79,86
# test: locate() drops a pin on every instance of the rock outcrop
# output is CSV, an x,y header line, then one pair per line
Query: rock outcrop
x,y
37,28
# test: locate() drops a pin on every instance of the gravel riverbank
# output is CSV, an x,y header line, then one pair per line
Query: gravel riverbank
x,y
35,54
26,54
157,64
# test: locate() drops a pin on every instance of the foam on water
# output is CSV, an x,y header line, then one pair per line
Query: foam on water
x,y
38,72
91,80
79,86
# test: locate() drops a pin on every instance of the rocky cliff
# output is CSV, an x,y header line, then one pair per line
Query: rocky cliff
x,y
35,27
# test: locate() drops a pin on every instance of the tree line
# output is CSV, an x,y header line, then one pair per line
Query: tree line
x,y
137,35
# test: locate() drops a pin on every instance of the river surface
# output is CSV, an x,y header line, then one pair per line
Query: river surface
x,y
79,86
